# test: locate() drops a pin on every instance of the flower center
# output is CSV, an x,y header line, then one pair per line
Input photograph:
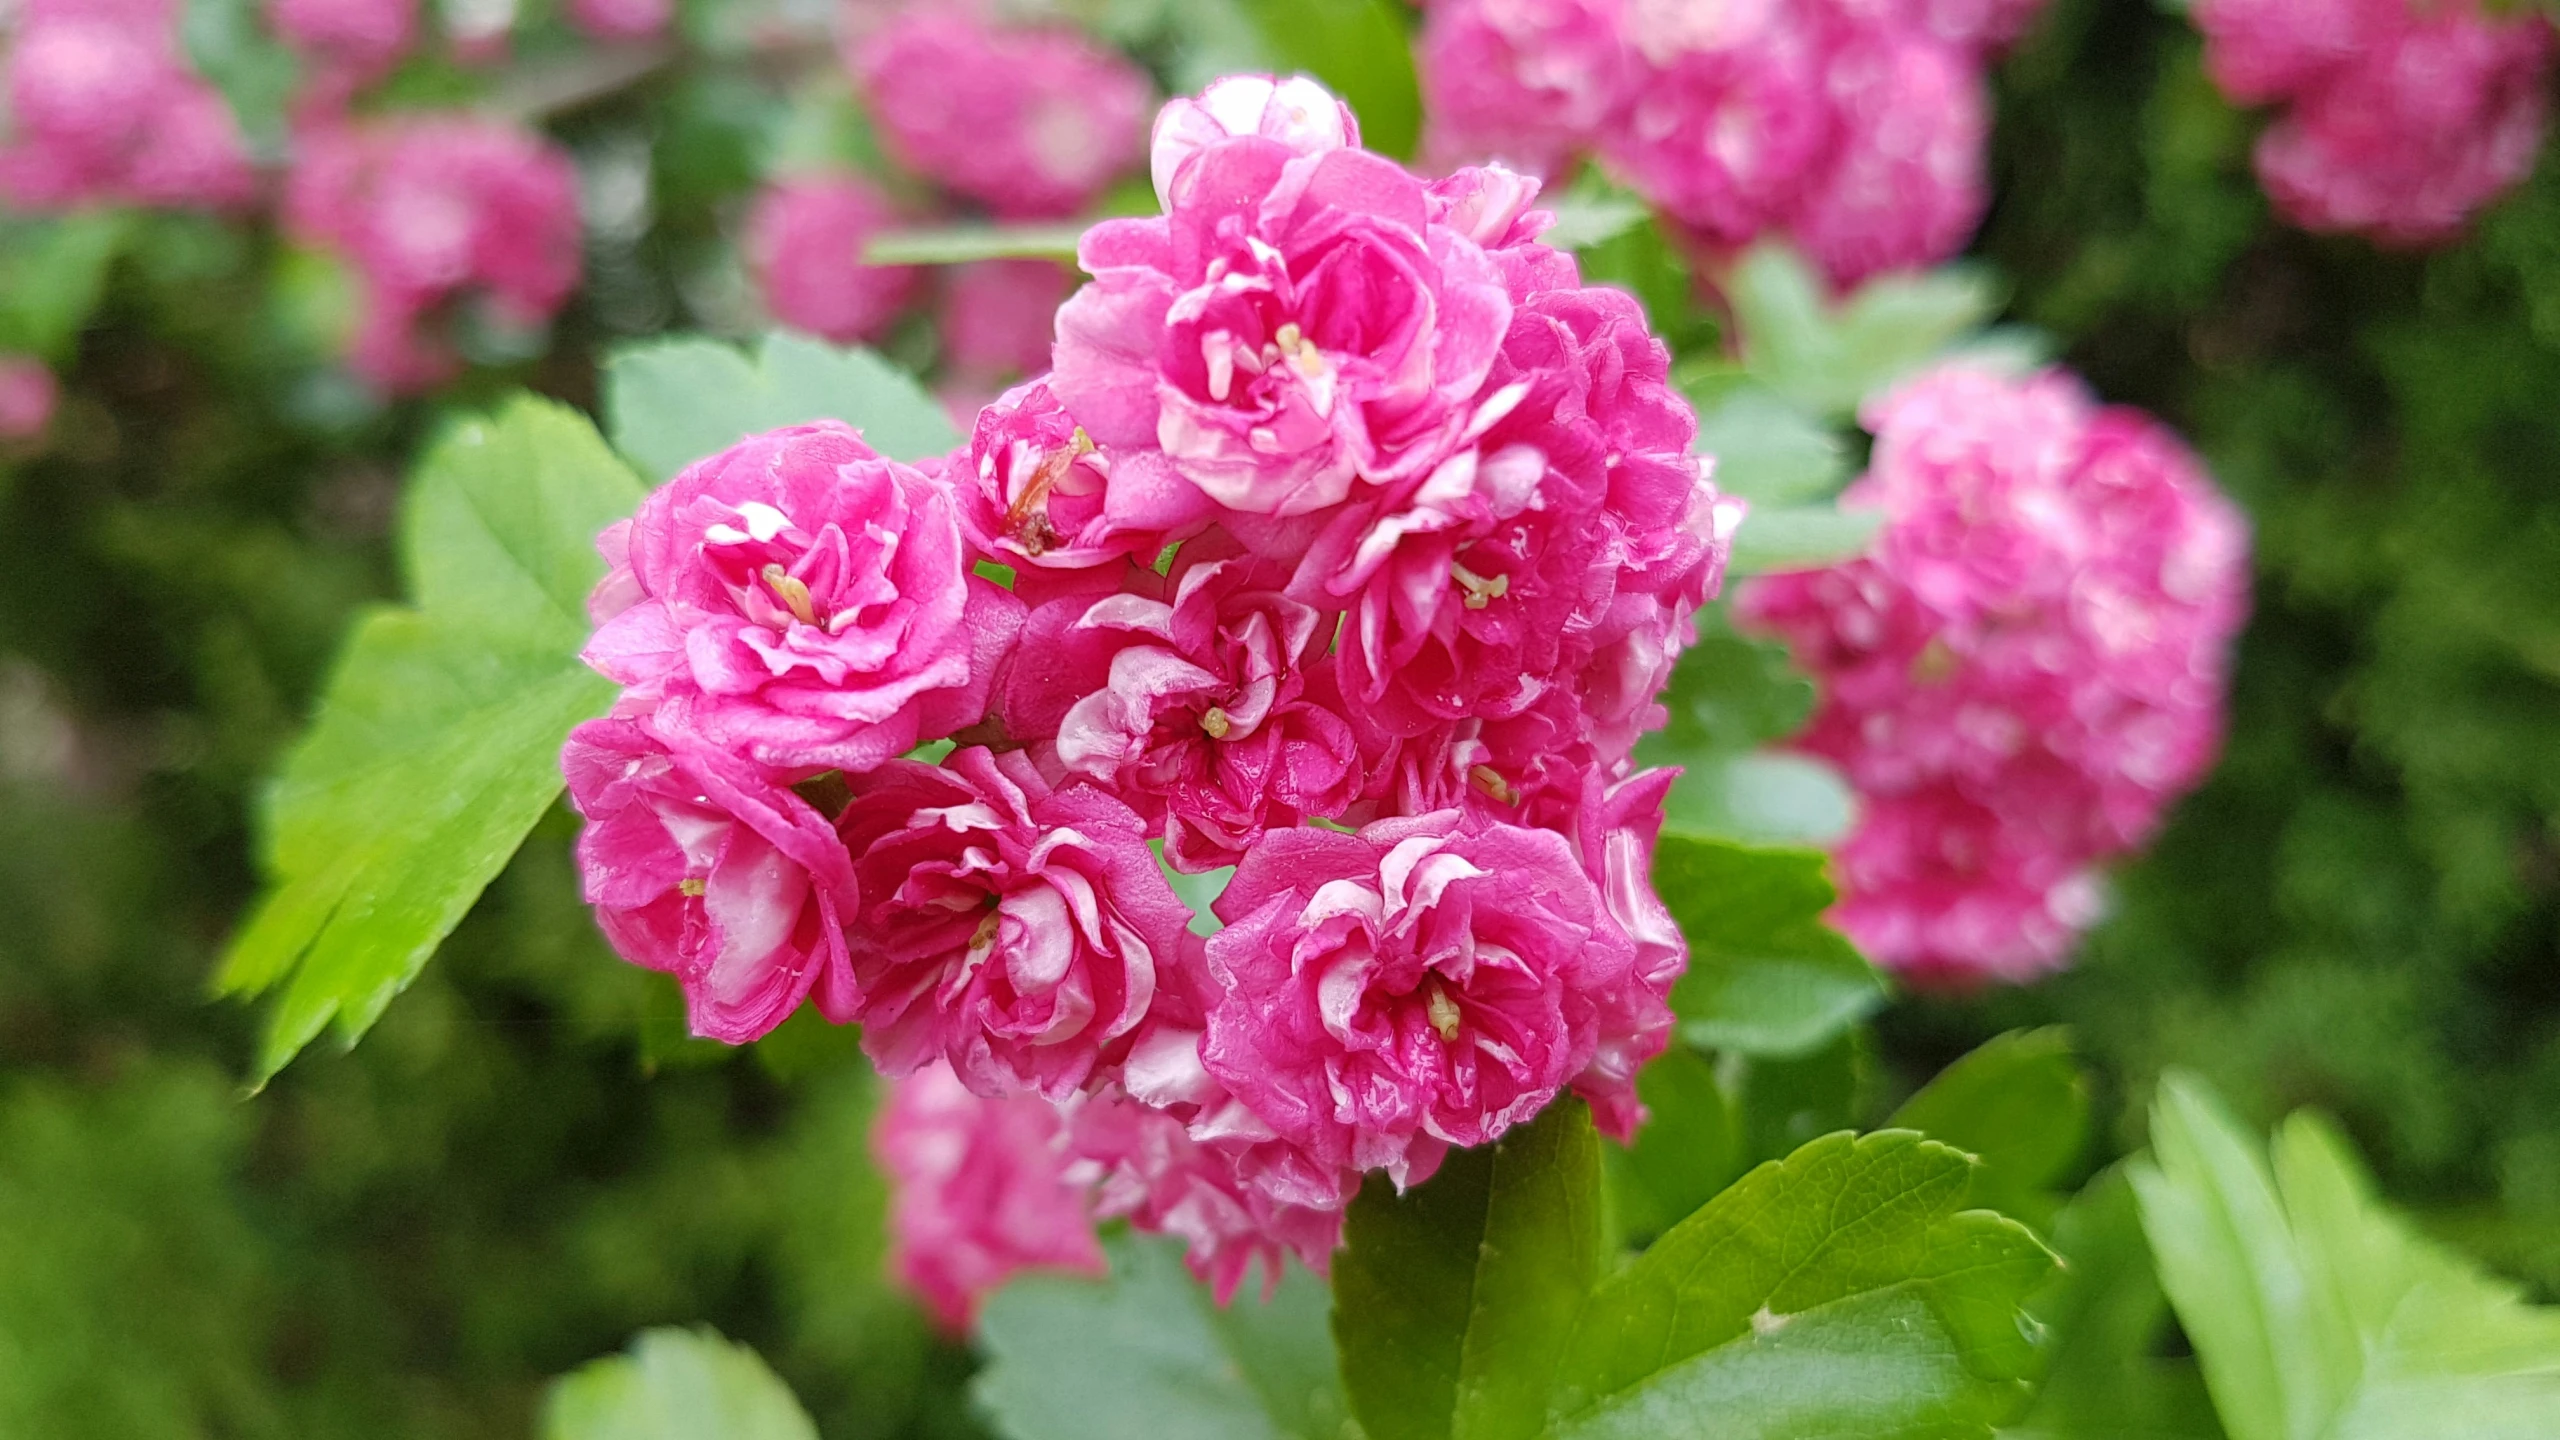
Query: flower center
x,y
1490,781
1481,589
1026,520
1215,721
792,592
1443,1012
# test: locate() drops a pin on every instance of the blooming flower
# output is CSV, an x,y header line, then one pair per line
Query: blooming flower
x,y
978,1192
1018,930
805,240
802,602
1036,493
2024,672
103,107
1905,186
1424,983
1298,115
1028,122
1528,82
705,867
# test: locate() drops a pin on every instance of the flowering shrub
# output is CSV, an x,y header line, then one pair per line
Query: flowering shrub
x,y
2024,672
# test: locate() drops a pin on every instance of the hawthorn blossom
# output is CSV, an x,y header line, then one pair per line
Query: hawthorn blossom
x,y
434,210
804,243
102,107
708,868
998,318
28,394
1019,930
978,1192
2024,672
801,602
1427,982
1297,114
1528,82
360,38
1036,493
1031,123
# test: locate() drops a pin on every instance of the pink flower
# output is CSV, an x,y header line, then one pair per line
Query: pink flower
x,y
622,19
2026,670
1728,122
27,397
1297,114
707,868
998,317
1904,187
978,1193
1528,82
1028,122
1425,983
1216,709
1145,1167
805,240
1036,493
2262,50
365,37
802,603
1295,324
433,210
103,108
1019,931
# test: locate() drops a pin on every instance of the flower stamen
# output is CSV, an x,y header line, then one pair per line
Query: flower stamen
x,y
1443,1012
1215,721
1480,588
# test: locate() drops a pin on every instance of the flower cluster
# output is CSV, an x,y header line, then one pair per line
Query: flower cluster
x,y
104,108
1349,545
433,211
2401,116
2023,673
1855,126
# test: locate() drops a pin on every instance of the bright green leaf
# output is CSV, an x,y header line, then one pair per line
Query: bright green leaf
x,y
1148,1352
1760,798
1839,1292
231,45
1361,51
2315,1312
1770,452
965,244
1451,1300
675,1385
52,271
2103,1377
1800,537
1766,977
436,745
1828,358
2020,1105
1585,221
671,402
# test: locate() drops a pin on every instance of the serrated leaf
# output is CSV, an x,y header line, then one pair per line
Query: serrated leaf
x,y
1148,1352
1769,451
2316,1313
1828,358
2019,1104
1451,1300
1800,537
669,403
675,1385
1362,52
2104,1378
436,744
1766,977
1840,1291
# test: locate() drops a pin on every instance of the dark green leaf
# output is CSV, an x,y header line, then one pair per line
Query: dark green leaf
x,y
1787,1104
1689,1149
2103,1379
2020,1105
2315,1312
1766,976
671,402
1361,51
1838,1292
675,1385
1450,1301
436,746
1148,1352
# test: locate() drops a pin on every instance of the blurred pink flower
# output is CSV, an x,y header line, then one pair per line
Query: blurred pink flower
x,y
362,37
978,1193
803,603
708,868
804,242
1526,82
1905,186
622,19
104,108
998,318
27,396
1030,123
2025,671
1020,931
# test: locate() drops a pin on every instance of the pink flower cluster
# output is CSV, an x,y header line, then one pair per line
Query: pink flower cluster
x,y
1855,126
2023,673
1349,545
104,108
433,212
2401,116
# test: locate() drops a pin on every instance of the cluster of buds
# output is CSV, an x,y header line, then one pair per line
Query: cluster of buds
x,y
1334,570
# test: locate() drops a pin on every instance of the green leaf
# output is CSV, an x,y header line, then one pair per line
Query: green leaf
x,y
1838,1292
1800,537
1689,1149
1586,221
1766,977
1451,1300
1761,798
1768,451
2103,1379
1148,1352
2315,1312
675,1385
230,45
52,272
1826,358
436,745
963,244
671,402
2020,1105
1362,52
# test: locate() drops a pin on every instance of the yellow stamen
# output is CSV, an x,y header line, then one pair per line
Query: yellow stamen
x,y
792,592
1479,588
692,886
1443,1012
1490,781
1214,720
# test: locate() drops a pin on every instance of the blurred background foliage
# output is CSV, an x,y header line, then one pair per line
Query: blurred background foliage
x,y
526,1162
